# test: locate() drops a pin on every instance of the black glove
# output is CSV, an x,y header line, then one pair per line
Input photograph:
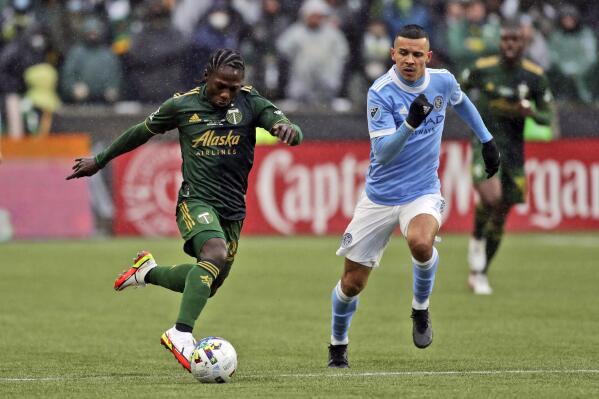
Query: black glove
x,y
491,157
419,110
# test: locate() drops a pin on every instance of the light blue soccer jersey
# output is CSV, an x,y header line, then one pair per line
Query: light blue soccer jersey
x,y
413,172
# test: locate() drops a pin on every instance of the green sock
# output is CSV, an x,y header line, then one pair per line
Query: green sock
x,y
481,218
494,234
171,277
196,292
193,281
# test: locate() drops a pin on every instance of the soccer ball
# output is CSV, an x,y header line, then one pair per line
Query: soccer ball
x,y
213,360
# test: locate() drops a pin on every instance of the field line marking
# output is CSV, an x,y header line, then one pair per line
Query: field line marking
x,y
439,373
313,375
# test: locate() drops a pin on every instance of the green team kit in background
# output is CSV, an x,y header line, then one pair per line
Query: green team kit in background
x,y
498,90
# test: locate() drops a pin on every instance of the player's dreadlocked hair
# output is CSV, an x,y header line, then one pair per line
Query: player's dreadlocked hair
x,y
224,57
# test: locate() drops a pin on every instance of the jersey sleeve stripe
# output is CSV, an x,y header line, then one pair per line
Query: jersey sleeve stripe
x,y
382,83
150,130
384,132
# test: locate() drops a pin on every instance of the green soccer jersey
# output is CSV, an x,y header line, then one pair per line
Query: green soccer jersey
x,y
217,144
497,90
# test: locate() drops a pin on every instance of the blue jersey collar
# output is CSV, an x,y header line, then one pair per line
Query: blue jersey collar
x,y
411,87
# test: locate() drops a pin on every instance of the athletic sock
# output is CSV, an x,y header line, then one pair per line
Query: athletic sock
x,y
423,280
343,308
170,277
494,234
481,218
196,292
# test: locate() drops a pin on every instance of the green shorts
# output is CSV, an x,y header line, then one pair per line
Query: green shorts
x,y
200,222
513,180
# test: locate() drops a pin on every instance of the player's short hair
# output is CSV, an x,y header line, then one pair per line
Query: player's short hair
x,y
412,31
225,57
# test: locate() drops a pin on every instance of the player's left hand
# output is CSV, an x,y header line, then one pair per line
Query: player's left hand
x,y
286,133
491,157
524,108
84,167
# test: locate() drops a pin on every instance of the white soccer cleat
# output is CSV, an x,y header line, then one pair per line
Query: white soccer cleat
x,y
479,283
180,344
477,254
137,273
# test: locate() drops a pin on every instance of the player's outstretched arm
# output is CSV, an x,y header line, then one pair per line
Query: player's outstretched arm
x,y
470,115
386,147
129,140
288,133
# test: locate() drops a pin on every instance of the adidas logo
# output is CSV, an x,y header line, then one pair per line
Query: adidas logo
x,y
403,110
194,118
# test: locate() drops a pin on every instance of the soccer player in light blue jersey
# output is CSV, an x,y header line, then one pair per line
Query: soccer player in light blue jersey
x,y
406,114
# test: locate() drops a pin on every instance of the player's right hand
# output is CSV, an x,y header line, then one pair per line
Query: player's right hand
x,y
491,157
419,110
84,167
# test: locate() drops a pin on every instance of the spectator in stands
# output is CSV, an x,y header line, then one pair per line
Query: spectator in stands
x,y
317,52
187,13
573,51
351,17
91,72
399,13
41,100
221,27
270,70
16,16
28,48
375,50
537,49
473,36
153,64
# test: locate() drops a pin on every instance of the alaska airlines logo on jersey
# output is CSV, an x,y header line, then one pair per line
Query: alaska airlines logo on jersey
x,y
438,102
234,116
209,138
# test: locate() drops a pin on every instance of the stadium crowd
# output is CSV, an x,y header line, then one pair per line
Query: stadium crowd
x,y
316,53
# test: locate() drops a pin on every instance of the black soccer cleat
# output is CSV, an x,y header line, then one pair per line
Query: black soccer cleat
x,y
422,330
338,357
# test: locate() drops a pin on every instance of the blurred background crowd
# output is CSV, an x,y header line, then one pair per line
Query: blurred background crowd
x,y
321,54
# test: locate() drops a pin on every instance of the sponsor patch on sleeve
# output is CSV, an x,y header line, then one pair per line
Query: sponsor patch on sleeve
x,y
374,112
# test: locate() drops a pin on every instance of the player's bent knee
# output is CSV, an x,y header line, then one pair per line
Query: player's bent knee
x,y
215,249
421,249
352,284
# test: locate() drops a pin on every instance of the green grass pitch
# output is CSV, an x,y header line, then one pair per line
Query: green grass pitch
x,y
66,333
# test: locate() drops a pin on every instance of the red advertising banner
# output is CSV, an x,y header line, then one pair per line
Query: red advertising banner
x,y
37,202
312,189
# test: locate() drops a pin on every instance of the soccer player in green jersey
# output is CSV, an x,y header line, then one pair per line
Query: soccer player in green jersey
x,y
217,123
507,89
